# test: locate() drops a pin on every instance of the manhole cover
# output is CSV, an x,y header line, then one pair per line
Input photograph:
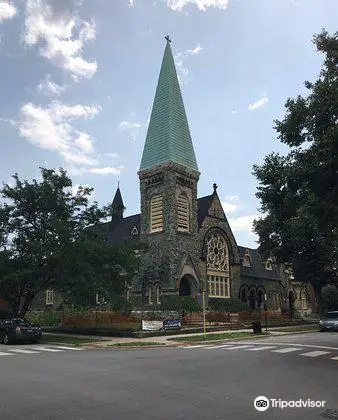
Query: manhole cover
x,y
329,414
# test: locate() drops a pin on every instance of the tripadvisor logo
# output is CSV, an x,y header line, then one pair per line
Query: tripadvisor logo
x,y
262,403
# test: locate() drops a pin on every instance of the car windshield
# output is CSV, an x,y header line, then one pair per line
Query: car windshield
x,y
332,315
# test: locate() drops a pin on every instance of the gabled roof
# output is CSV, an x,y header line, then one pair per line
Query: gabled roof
x,y
123,232
204,204
168,137
257,268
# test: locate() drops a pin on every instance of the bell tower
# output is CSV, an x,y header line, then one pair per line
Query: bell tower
x,y
168,181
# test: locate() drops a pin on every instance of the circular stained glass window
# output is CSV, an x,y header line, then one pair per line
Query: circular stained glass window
x,y
217,252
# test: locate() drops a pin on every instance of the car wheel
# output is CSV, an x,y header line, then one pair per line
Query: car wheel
x,y
6,339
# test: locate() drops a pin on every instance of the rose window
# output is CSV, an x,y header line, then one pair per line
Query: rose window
x,y
217,256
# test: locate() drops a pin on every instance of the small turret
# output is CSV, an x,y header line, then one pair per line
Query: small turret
x,y
117,207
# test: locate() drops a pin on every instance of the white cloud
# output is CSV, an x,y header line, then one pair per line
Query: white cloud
x,y
49,88
228,207
258,104
242,224
49,128
131,3
108,170
7,10
112,155
179,58
232,198
128,125
178,5
61,38
132,128
234,111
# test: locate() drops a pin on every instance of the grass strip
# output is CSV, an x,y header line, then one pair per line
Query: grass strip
x,y
311,328
136,344
220,336
64,339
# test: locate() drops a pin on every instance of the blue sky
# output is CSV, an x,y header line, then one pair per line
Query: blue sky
x,y
78,80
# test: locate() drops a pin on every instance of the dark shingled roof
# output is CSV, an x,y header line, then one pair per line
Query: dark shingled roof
x,y
121,232
257,268
203,206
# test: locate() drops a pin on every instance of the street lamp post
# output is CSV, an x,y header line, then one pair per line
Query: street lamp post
x,y
266,316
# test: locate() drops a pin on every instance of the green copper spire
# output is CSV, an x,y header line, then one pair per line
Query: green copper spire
x,y
168,137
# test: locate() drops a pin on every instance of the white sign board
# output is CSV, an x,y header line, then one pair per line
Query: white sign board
x,y
152,325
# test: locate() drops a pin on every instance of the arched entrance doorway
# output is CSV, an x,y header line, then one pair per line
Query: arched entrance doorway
x,y
185,287
252,299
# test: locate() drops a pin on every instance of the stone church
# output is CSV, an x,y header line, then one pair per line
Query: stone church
x,y
191,248
190,245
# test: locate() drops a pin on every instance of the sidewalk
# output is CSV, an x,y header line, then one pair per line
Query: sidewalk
x,y
103,341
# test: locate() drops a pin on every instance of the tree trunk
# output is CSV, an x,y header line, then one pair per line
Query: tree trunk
x,y
26,305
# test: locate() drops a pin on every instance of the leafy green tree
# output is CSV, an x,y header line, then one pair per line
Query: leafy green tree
x,y
298,192
330,298
51,238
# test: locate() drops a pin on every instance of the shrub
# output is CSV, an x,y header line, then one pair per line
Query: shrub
x,y
228,305
45,318
179,304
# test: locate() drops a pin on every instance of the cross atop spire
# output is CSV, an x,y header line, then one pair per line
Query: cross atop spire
x,y
167,38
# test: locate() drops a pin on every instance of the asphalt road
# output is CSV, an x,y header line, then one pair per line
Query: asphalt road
x,y
174,383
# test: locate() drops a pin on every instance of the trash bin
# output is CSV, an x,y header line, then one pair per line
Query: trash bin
x,y
257,327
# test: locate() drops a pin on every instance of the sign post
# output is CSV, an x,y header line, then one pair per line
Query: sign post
x,y
204,323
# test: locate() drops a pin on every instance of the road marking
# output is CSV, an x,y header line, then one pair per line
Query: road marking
x,y
291,344
315,353
334,358
23,351
68,348
222,346
286,350
262,348
5,354
237,347
46,349
199,346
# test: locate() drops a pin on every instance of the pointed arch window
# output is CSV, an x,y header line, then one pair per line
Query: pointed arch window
x,y
268,264
156,213
247,259
183,213
303,299
158,293
150,294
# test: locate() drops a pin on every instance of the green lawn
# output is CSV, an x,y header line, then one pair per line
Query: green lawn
x,y
65,339
219,336
136,344
302,329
